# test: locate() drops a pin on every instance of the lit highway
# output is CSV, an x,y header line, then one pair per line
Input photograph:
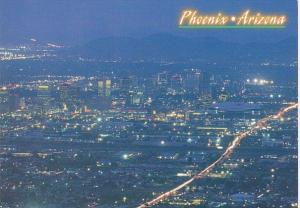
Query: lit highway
x,y
234,144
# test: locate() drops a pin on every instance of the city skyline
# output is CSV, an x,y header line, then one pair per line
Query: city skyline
x,y
120,104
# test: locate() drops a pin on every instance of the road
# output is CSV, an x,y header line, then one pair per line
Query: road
x,y
233,145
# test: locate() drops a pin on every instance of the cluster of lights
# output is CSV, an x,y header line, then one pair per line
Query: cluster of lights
x,y
260,81
273,96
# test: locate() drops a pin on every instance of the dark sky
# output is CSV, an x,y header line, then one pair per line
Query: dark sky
x,y
77,21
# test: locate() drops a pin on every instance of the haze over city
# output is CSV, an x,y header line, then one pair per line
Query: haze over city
x,y
110,104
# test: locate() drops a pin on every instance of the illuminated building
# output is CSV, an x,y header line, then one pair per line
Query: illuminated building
x,y
176,82
135,98
162,79
3,100
44,97
192,82
22,103
104,87
127,83
3,95
204,85
69,97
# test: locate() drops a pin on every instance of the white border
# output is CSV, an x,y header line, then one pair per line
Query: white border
x,y
298,100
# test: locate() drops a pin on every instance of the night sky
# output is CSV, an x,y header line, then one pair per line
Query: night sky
x,y
77,21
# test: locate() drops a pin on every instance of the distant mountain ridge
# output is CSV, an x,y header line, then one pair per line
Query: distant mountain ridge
x,y
169,47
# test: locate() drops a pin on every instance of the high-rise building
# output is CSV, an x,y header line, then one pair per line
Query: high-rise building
x,y
162,79
104,87
192,81
176,82
136,98
43,92
204,85
128,83
43,97
3,100
22,103
3,95
198,82
108,88
69,96
103,101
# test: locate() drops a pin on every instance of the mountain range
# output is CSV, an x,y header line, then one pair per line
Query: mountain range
x,y
165,47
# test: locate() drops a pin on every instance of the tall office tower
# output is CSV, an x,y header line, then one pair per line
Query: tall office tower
x,y
162,79
192,81
3,95
108,88
205,87
63,92
214,90
128,83
135,98
43,97
22,103
103,101
104,88
101,89
176,82
149,83
43,92
3,100
69,96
